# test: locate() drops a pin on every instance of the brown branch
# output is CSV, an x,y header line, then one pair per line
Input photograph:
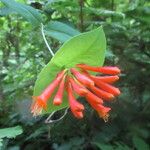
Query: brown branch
x,y
81,24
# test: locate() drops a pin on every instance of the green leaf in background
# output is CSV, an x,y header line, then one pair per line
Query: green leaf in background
x,y
29,13
105,13
103,146
60,31
10,132
140,144
121,146
88,48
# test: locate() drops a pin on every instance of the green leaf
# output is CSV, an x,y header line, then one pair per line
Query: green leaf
x,y
10,132
29,13
60,31
105,13
88,48
140,144
54,1
121,146
4,11
103,146
1,143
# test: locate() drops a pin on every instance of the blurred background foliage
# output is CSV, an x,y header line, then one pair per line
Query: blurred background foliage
x,y
23,54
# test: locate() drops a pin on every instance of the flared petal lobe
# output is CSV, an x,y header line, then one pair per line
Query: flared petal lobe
x,y
103,112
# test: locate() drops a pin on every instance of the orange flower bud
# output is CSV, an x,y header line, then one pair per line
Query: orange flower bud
x,y
108,88
59,95
78,114
106,70
106,79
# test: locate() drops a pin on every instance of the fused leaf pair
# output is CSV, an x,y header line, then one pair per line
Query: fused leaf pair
x,y
95,89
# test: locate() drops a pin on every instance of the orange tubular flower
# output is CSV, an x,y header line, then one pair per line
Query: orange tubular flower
x,y
40,102
94,88
105,70
103,85
78,88
59,95
101,93
82,78
106,79
108,88
91,98
76,107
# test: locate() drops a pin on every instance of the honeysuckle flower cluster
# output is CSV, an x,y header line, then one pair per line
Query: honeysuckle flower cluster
x,y
78,80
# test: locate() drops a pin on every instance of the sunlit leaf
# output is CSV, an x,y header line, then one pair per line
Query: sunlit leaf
x,y
140,144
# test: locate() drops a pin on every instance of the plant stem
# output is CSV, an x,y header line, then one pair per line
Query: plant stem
x,y
81,3
42,30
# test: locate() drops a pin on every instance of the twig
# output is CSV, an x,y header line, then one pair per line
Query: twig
x,y
42,30
81,3
50,120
